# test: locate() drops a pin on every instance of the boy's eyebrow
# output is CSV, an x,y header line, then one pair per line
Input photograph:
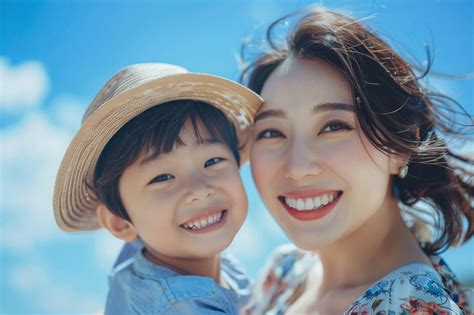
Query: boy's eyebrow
x,y
208,141
278,113
151,157
199,142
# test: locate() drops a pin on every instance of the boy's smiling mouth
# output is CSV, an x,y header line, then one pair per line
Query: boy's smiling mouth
x,y
205,223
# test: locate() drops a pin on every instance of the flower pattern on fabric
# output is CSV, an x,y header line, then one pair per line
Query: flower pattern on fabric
x,y
418,306
463,297
411,289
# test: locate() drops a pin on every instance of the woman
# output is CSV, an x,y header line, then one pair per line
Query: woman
x,y
347,142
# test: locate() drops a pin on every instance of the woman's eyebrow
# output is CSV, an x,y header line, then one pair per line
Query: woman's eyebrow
x,y
333,106
271,113
278,113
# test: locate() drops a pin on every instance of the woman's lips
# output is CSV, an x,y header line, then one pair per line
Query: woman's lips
x,y
311,206
308,193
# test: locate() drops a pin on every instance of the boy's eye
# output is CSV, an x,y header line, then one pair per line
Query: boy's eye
x,y
335,126
161,178
213,161
269,134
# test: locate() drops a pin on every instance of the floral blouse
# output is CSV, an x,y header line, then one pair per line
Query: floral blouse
x,y
411,289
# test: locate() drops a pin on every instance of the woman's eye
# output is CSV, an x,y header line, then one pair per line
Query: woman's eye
x,y
213,161
335,126
161,178
269,134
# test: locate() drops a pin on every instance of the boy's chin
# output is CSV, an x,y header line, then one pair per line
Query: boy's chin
x,y
210,249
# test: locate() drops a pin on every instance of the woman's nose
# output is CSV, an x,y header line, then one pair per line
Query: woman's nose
x,y
302,162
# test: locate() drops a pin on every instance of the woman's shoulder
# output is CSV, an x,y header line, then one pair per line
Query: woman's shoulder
x,y
287,259
285,250
411,288
462,296
286,268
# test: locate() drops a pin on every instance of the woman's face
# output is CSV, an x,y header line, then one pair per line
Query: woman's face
x,y
317,173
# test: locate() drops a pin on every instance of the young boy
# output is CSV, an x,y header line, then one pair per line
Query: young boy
x,y
156,161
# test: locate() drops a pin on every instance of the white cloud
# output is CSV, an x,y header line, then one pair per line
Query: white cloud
x,y
106,250
23,87
25,278
31,153
67,111
49,292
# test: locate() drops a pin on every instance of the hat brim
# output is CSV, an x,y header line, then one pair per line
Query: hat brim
x,y
74,208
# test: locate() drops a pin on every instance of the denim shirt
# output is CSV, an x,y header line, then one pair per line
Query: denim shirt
x,y
139,286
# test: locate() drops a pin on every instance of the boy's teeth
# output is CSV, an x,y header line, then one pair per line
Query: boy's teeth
x,y
307,204
204,222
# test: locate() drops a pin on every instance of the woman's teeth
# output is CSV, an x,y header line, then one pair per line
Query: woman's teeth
x,y
307,204
203,222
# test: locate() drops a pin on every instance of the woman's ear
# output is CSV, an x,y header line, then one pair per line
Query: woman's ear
x,y
120,228
396,163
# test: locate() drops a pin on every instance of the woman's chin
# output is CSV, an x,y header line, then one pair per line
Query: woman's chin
x,y
312,240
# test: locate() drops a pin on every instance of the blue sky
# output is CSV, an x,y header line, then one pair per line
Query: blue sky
x,y
54,56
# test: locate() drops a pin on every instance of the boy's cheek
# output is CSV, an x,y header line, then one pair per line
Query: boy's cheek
x,y
230,175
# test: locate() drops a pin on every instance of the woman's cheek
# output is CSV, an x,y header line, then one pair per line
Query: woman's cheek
x,y
263,166
351,152
257,166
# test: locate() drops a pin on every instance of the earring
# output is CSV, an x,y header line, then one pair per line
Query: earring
x,y
403,171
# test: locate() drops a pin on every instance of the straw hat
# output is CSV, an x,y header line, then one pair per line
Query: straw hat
x,y
128,93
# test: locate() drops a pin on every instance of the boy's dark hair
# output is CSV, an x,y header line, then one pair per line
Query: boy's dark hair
x,y
156,131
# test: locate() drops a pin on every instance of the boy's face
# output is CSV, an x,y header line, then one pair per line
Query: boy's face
x,y
188,203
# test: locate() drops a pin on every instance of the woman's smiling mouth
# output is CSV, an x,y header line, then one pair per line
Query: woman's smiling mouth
x,y
309,205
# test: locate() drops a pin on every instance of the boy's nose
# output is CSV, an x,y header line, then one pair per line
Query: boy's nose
x,y
199,191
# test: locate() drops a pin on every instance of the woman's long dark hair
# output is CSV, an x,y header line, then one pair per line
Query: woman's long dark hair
x,y
396,113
